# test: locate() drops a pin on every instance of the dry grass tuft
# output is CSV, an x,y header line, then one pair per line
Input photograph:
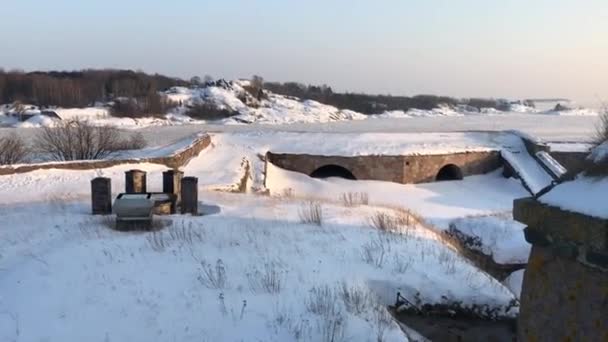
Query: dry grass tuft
x,y
311,213
353,199
213,277
270,279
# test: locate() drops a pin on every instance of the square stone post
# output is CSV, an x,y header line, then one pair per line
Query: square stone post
x,y
135,182
101,196
172,184
189,194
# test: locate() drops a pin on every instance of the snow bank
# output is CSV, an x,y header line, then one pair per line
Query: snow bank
x,y
569,146
515,281
574,112
89,113
501,237
599,153
64,272
439,203
382,143
585,195
36,121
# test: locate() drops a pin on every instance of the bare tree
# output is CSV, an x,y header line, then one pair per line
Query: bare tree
x,y
195,80
78,140
601,129
12,150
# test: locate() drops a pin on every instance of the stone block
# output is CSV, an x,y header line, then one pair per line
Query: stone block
x,y
135,182
189,194
101,196
172,181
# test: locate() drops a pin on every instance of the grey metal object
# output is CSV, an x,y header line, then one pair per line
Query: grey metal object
x,y
135,182
189,194
133,211
101,196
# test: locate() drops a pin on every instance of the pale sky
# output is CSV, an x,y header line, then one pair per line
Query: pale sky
x,y
463,48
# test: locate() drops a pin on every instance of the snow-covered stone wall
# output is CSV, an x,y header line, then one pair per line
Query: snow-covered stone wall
x,y
399,169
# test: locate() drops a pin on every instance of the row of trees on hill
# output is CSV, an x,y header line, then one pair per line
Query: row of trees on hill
x,y
83,88
371,104
136,93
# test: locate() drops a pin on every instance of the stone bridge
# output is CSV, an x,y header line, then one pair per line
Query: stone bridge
x,y
416,168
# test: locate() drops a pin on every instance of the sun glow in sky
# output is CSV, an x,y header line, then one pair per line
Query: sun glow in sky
x,y
465,48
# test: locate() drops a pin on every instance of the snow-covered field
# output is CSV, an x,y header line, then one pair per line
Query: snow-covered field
x,y
249,269
249,272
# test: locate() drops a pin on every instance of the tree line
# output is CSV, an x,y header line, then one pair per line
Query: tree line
x,y
372,104
85,88
136,94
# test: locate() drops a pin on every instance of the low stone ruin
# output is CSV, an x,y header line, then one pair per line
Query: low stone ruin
x,y
565,288
136,207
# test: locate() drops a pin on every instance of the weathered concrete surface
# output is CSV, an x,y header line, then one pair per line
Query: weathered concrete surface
x,y
562,300
565,288
398,169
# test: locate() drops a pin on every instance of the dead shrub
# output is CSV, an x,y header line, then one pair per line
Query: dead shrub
x,y
447,259
311,213
323,301
376,250
598,165
78,139
270,279
601,130
381,322
353,199
357,299
213,277
403,222
401,263
333,328
384,222
13,150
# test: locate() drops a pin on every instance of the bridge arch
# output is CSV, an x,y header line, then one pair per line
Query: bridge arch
x,y
332,170
449,172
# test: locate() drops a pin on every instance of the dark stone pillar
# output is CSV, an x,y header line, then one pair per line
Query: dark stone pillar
x,y
101,196
189,194
135,182
172,184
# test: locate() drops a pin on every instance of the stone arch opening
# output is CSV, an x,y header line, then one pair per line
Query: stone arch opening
x,y
449,172
332,171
